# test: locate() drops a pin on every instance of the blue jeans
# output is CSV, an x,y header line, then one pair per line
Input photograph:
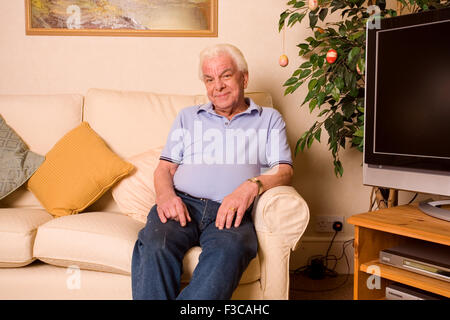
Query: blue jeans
x,y
159,250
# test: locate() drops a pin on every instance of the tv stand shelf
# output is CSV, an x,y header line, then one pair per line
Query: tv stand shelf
x,y
386,228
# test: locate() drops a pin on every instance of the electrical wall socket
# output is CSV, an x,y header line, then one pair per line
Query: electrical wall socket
x,y
325,223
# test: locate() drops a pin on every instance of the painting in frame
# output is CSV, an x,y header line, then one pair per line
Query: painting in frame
x,y
151,18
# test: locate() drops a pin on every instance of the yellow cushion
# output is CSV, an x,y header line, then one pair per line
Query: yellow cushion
x,y
77,171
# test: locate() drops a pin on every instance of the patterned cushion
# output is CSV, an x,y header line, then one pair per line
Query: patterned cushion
x,y
17,162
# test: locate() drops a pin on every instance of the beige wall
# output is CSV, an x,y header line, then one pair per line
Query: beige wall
x,y
57,64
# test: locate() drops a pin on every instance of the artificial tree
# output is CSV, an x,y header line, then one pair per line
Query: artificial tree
x,y
336,87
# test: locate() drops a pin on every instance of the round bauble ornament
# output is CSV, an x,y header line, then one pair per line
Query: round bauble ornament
x,y
313,4
283,61
331,56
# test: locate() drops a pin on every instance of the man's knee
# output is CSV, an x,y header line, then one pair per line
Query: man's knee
x,y
237,247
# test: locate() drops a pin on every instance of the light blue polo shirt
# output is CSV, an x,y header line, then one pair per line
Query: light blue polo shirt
x,y
215,155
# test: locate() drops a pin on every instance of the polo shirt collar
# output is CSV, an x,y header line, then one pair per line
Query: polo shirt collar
x,y
208,107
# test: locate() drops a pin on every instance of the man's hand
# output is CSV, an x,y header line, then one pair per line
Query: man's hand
x,y
169,205
236,204
172,207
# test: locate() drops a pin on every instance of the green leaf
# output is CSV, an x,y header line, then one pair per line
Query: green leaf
x,y
291,89
288,90
336,94
329,87
302,144
320,61
306,64
313,58
303,46
295,17
299,4
359,132
290,81
348,109
362,65
312,105
320,98
352,54
323,13
310,141
312,84
323,112
318,73
283,17
356,35
338,169
339,83
321,81
308,97
317,134
312,20
305,73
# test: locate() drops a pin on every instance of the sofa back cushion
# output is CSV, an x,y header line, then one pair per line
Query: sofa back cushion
x,y
134,122
131,123
40,120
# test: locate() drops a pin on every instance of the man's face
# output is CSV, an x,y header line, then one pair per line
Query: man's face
x,y
224,83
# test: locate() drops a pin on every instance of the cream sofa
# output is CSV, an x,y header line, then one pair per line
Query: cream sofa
x,y
88,255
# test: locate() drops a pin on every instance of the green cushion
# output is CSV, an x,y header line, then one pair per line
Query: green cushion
x,y
17,162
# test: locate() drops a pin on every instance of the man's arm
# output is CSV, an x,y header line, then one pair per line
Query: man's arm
x,y
237,202
169,205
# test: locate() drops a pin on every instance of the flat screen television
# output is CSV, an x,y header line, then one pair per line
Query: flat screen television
x,y
407,106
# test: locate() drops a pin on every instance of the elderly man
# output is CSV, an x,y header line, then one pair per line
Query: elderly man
x,y
218,158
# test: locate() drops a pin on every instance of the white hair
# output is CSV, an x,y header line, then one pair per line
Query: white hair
x,y
219,49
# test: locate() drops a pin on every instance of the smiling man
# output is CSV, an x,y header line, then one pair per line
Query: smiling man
x,y
219,157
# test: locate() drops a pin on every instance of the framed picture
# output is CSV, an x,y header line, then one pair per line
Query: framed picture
x,y
149,18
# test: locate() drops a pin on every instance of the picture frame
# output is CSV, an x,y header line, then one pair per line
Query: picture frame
x,y
156,18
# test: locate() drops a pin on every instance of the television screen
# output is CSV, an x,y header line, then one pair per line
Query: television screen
x,y
413,91
407,108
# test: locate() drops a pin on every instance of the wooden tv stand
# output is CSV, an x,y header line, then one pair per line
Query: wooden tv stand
x,y
386,228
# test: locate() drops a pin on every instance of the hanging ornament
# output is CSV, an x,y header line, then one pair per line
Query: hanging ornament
x,y
313,4
283,60
331,56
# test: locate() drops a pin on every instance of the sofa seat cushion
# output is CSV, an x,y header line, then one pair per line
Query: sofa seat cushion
x,y
104,241
99,241
17,233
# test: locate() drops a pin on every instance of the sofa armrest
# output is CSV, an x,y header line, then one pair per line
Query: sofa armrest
x,y
280,216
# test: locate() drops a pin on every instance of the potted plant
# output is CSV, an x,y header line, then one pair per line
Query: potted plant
x,y
334,71
335,65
